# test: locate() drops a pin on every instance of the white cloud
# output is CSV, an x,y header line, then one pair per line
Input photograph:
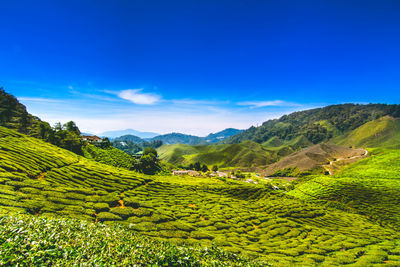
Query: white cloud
x,y
274,103
136,96
38,99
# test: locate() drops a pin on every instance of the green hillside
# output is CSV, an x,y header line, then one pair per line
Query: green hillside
x,y
384,132
317,125
110,156
38,178
370,187
347,125
314,159
246,154
178,138
14,115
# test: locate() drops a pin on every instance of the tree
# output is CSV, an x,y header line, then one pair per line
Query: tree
x,y
154,143
148,164
105,143
204,168
70,141
197,166
150,150
24,122
58,127
239,174
215,168
45,131
71,126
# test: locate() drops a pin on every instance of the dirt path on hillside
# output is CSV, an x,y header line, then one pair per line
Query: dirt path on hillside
x,y
331,163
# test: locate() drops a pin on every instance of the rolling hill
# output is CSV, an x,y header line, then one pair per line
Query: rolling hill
x,y
118,133
178,138
313,158
246,154
346,125
383,132
369,186
317,125
222,135
38,178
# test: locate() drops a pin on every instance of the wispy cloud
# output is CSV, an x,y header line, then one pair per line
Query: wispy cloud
x,y
96,96
274,103
39,99
136,96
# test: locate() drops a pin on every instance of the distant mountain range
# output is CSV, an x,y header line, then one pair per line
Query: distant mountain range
x,y
222,135
179,138
118,133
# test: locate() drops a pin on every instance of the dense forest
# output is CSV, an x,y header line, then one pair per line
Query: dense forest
x,y
317,125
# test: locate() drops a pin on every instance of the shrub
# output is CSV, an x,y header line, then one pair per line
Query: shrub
x,y
107,216
99,207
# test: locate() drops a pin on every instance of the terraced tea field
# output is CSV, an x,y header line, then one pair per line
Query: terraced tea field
x,y
370,187
33,241
40,179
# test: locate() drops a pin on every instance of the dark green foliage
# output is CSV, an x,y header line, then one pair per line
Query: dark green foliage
x,y
148,164
175,138
110,156
316,125
150,150
14,115
127,146
197,166
153,144
239,174
204,168
71,127
287,172
28,241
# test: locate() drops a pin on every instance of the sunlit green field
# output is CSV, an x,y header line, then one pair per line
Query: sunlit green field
x,y
275,226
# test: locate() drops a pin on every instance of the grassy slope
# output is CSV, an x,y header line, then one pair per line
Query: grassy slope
x,y
245,154
370,186
384,132
111,156
313,157
38,178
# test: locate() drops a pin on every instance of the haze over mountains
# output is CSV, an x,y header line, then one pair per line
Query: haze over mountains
x,y
179,138
118,133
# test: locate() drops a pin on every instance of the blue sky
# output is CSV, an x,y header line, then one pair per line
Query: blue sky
x,y
196,66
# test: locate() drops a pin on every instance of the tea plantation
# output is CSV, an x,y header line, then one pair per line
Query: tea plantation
x,y
370,186
66,242
281,228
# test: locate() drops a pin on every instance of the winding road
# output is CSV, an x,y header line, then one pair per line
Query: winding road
x,y
339,159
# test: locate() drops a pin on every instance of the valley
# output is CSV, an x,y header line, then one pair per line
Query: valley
x,y
332,204
200,133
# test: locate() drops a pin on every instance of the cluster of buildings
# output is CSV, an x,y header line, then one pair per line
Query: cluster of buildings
x,y
91,138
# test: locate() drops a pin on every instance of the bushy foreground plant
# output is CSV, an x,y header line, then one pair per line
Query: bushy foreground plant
x,y
27,240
